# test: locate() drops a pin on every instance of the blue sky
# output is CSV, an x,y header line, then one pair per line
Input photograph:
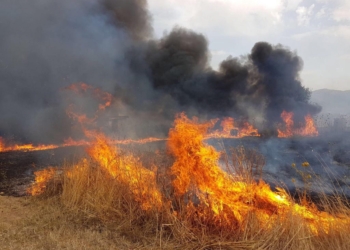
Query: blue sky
x,y
318,30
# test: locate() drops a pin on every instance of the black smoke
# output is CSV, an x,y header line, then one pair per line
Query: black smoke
x,y
48,45
265,81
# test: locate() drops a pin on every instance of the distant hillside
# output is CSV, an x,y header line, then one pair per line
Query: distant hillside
x,y
335,102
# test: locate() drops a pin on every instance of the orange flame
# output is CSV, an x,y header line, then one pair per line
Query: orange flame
x,y
127,169
289,130
228,127
223,199
69,143
226,198
42,177
4,147
310,127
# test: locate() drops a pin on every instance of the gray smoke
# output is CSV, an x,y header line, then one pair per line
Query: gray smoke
x,y
48,45
45,46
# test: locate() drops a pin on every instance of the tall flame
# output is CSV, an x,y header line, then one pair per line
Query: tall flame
x,y
225,198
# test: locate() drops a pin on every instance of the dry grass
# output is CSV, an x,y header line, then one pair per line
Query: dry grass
x,y
90,209
84,207
29,223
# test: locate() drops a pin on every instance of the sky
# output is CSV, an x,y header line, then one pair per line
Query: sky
x,y
318,30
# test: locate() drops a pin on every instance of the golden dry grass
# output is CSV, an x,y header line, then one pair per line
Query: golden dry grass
x,y
88,202
83,206
29,223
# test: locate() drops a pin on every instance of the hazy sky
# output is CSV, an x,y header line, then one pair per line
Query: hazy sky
x,y
318,30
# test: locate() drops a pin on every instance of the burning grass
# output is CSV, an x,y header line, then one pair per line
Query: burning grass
x,y
192,203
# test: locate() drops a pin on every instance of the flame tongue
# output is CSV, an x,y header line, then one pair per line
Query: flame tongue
x,y
196,171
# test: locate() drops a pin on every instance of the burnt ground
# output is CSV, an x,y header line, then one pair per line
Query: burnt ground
x,y
17,168
328,158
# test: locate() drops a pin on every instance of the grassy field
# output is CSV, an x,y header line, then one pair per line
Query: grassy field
x,y
177,199
93,211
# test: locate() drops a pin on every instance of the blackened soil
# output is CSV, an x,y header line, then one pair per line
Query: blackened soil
x,y
17,168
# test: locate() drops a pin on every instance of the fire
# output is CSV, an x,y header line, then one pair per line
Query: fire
x,y
287,117
126,169
2,144
224,198
228,127
105,100
310,127
210,195
42,177
5,147
289,130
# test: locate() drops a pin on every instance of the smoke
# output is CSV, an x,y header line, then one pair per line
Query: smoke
x,y
266,81
132,15
48,45
45,46
279,81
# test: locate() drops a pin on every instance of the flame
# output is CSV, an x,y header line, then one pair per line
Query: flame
x,y
209,194
289,130
228,127
105,100
222,197
4,147
126,169
310,127
69,143
42,177
287,118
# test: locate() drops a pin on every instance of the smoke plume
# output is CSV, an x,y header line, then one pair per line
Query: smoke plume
x,y
48,45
